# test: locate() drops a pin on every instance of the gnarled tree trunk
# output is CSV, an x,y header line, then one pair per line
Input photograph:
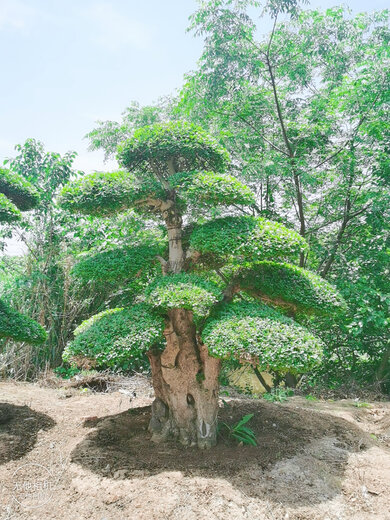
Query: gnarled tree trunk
x,y
185,380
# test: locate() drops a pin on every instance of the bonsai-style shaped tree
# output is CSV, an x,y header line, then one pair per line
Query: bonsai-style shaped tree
x,y
17,195
219,286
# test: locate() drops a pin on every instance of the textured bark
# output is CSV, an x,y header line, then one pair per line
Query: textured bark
x,y
174,222
185,379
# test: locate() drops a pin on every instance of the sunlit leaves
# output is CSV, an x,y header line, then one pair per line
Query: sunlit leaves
x,y
258,334
117,338
290,286
19,327
247,238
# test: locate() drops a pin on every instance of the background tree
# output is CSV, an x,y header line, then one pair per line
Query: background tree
x,y
304,112
195,311
303,109
17,195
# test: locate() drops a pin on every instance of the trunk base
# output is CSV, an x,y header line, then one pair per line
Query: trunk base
x,y
185,380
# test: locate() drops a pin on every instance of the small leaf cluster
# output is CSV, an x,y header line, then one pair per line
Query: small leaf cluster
x,y
19,327
183,291
258,333
18,190
306,291
187,145
252,238
213,189
241,433
117,338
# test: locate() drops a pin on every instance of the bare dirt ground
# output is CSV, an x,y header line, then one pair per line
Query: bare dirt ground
x,y
76,455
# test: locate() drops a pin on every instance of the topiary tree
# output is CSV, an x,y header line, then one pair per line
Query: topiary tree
x,y
17,195
220,285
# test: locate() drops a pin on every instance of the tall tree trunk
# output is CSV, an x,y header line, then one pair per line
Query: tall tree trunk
x,y
185,380
185,377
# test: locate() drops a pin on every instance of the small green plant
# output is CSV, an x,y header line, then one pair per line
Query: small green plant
x,y
240,432
311,397
361,404
66,372
278,395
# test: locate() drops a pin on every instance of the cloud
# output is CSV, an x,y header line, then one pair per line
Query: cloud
x,y
114,30
15,14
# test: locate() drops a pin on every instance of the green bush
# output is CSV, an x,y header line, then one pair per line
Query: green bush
x,y
118,265
19,327
8,211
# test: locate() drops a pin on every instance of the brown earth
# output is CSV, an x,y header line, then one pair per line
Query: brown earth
x,y
71,454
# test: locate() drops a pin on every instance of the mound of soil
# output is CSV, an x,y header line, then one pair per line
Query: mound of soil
x,y
121,444
19,426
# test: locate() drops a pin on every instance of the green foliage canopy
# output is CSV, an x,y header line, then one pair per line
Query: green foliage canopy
x,y
259,334
213,189
185,144
18,190
183,291
117,265
251,238
302,289
100,193
117,338
8,211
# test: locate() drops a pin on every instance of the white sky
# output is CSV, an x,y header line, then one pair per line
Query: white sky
x,y
67,63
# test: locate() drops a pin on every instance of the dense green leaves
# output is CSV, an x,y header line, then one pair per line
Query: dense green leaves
x,y
18,190
283,284
117,338
8,211
259,334
213,189
187,146
251,238
106,193
184,291
117,265
19,327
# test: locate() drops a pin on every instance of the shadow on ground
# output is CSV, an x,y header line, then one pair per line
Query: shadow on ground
x,y
19,427
303,451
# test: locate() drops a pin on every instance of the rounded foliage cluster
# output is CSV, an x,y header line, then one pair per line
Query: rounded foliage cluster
x,y
259,334
117,265
117,338
8,211
183,291
304,290
213,189
252,238
187,145
106,193
19,327
18,190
